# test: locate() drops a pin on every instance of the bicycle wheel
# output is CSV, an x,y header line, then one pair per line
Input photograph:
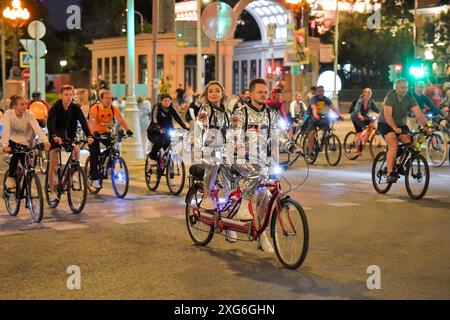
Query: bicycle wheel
x,y
119,177
152,176
52,204
175,175
333,150
77,189
35,198
43,161
87,173
298,139
200,232
437,149
310,155
290,233
11,197
417,176
350,147
379,173
377,144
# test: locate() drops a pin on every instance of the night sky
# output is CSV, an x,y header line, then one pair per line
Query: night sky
x,y
57,12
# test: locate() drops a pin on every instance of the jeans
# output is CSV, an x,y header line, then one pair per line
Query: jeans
x,y
94,150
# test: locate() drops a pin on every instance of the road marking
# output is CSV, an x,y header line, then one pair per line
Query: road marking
x,y
391,200
343,204
334,184
444,175
64,226
365,181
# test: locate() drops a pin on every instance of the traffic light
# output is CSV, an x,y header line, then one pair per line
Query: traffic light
x,y
395,71
418,68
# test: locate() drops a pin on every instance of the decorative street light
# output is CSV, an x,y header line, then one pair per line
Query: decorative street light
x,y
16,17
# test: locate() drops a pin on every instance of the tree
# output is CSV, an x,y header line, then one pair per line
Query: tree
x,y
370,52
436,34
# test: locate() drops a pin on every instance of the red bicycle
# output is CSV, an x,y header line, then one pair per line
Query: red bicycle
x,y
288,222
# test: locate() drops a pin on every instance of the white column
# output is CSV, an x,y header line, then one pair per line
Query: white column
x,y
132,148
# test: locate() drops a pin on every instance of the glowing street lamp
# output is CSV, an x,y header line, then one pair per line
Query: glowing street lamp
x,y
16,17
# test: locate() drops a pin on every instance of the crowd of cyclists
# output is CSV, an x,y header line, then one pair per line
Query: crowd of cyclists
x,y
32,122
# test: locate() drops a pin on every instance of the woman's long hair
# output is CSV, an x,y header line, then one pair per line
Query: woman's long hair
x,y
204,96
14,100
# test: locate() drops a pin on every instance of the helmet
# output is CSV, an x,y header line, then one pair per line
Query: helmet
x,y
36,95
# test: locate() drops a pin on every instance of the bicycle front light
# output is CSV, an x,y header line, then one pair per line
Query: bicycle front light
x,y
283,124
332,116
172,133
277,170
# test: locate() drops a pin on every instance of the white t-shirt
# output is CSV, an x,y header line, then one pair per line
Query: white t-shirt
x,y
20,130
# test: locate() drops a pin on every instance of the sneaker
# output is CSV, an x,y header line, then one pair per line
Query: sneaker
x,y
244,211
208,204
231,236
96,184
10,183
264,243
392,178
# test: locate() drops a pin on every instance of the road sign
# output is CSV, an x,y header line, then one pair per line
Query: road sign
x,y
218,21
25,58
26,74
36,29
31,46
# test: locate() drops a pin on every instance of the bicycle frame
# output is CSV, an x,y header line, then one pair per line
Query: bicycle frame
x,y
24,171
248,228
62,176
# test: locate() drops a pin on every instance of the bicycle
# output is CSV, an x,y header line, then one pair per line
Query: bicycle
x,y
353,148
70,179
282,213
169,164
437,144
329,141
42,158
408,162
110,160
28,186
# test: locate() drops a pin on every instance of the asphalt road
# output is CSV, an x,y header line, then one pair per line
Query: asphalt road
x,y
139,248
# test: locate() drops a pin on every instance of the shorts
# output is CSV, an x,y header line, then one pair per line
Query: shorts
x,y
361,124
384,129
310,124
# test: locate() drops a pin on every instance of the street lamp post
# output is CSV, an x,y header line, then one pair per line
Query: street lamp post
x,y
132,148
16,17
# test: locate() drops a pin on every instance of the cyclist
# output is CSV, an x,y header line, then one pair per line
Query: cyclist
x,y
209,133
297,109
276,102
62,124
102,117
360,115
424,102
162,117
392,122
40,108
19,125
312,118
257,117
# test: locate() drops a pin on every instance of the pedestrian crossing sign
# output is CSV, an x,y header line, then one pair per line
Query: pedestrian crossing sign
x,y
25,58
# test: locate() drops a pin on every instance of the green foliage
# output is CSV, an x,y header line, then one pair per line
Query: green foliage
x,y
372,51
437,34
51,98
